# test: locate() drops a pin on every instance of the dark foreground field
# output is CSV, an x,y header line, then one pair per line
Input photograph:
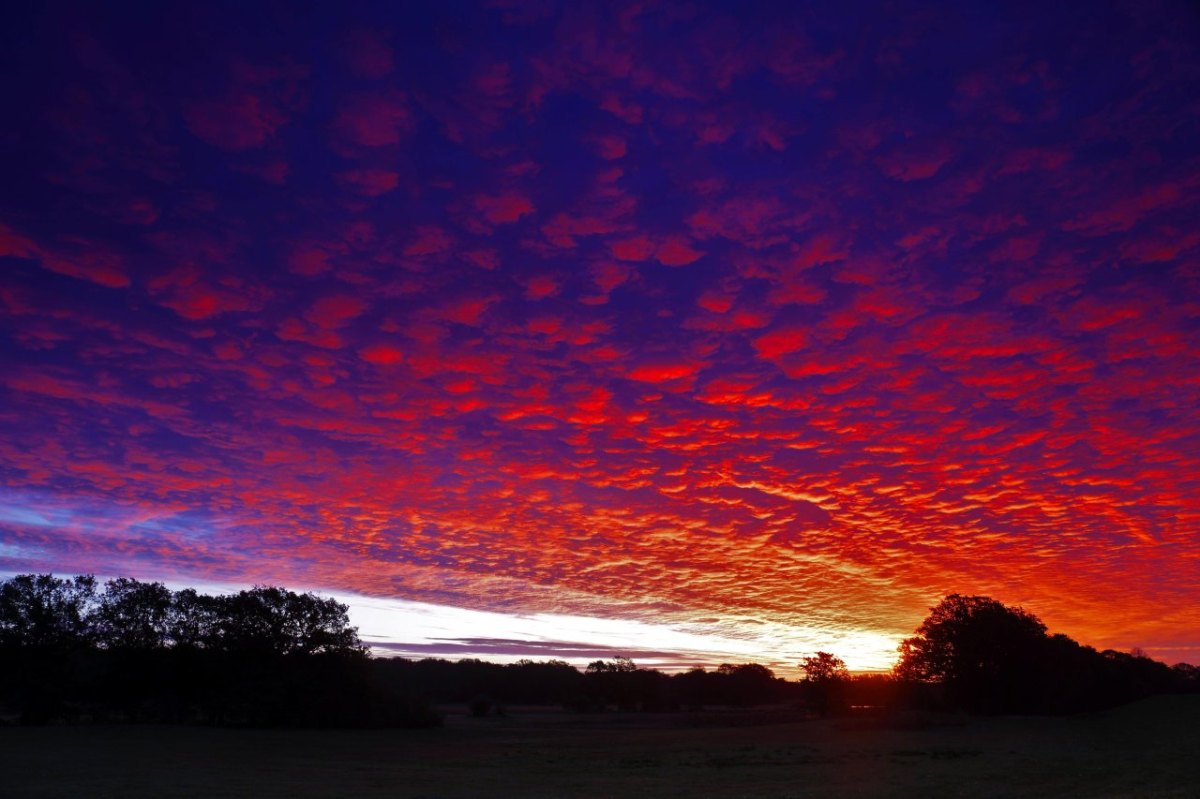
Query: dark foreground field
x,y
1148,749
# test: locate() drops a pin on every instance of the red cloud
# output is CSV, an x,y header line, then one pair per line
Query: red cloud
x,y
740,319
248,115
503,209
638,248
915,163
818,250
192,297
715,301
1161,247
237,121
756,222
622,108
563,229
429,240
103,268
674,251
381,354
466,311
608,275
1126,211
296,330
484,259
663,372
336,311
796,292
611,147
1093,313
82,258
540,287
781,342
227,351
312,259
369,182
1033,291
13,244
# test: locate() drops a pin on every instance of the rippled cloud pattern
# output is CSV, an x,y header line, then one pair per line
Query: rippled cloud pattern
x,y
788,315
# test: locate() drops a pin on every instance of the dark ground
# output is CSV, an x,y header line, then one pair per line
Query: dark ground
x,y
1149,749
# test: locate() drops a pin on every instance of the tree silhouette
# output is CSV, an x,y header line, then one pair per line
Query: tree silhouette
x,y
275,620
41,610
824,667
193,620
747,683
133,615
825,677
986,654
45,624
618,665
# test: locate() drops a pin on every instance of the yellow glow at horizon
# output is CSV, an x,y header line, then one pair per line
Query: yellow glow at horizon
x,y
779,646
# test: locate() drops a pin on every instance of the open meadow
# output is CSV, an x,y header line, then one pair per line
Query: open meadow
x,y
1149,749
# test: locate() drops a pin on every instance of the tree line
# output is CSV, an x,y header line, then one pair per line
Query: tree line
x,y
71,649
137,651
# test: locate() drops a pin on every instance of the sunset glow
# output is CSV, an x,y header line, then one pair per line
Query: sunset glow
x,y
676,331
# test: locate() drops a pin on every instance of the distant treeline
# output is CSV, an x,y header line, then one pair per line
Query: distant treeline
x,y
72,650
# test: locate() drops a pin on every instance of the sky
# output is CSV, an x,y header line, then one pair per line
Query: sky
x,y
694,332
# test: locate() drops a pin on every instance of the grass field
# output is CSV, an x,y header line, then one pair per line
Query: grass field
x,y
1150,749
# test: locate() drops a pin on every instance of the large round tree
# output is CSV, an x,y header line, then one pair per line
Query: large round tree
x,y
986,654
